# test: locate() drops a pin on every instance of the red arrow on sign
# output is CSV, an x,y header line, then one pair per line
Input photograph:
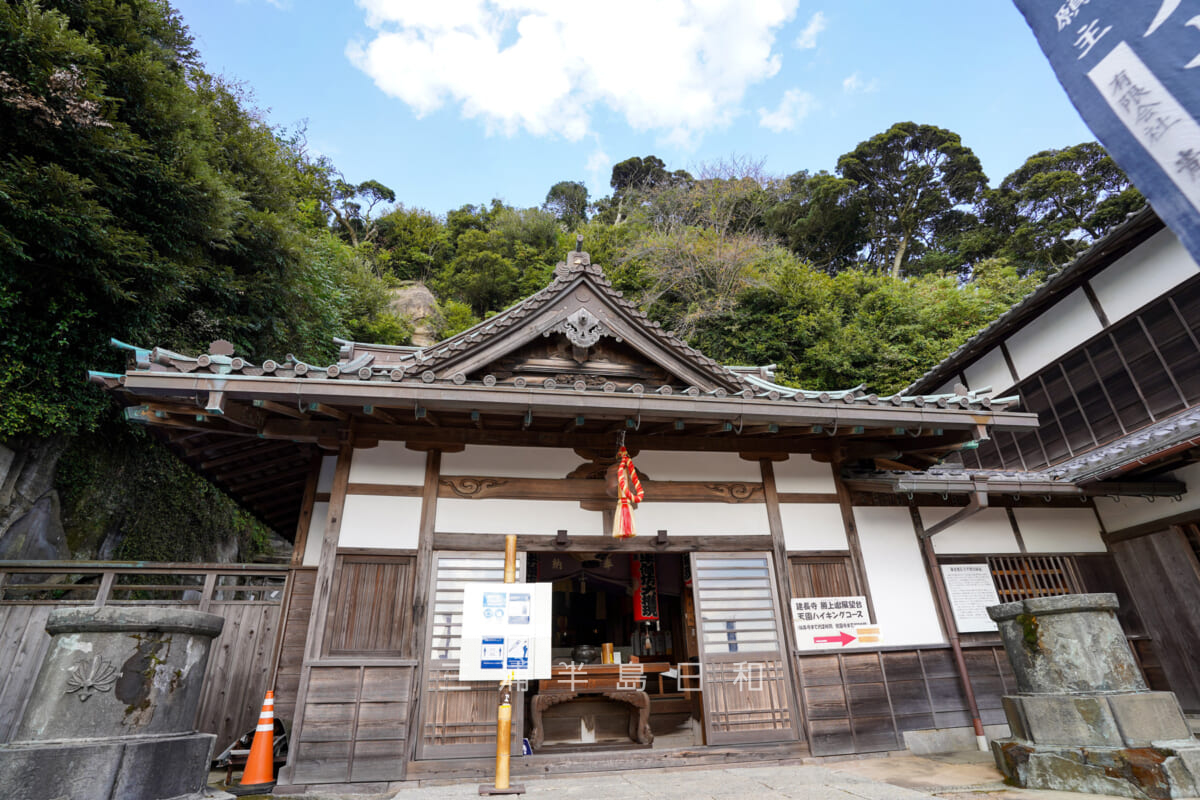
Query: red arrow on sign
x,y
842,637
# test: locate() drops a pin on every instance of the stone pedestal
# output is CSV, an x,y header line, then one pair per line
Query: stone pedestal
x,y
1084,720
113,712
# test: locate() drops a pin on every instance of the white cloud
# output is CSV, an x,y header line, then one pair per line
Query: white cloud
x,y
855,83
793,107
680,67
597,169
807,39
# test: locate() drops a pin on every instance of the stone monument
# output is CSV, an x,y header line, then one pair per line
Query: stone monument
x,y
112,715
1084,720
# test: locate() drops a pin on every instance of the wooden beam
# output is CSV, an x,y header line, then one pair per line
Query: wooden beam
x,y
602,544
281,463
249,450
328,411
510,400
374,412
280,408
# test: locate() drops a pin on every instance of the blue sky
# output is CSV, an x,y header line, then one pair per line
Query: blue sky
x,y
458,101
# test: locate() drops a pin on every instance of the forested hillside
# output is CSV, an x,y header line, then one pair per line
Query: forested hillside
x,y
144,199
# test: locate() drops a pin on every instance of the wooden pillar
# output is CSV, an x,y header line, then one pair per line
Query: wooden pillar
x,y
300,540
423,571
783,577
947,615
852,542
324,585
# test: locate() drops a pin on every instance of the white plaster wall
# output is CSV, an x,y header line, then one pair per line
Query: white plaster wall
x,y
903,599
386,523
813,526
1143,275
325,478
696,519
530,517
1131,511
800,473
511,462
991,370
316,532
1066,324
662,465
989,531
1059,530
389,463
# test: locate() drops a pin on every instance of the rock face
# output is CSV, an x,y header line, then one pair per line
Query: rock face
x,y
1084,720
113,712
30,523
418,305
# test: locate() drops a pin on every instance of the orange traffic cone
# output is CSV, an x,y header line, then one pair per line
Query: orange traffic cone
x,y
260,764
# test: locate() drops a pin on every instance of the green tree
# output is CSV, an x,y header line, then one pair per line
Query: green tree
x,y
911,177
822,219
568,201
414,243
144,200
1059,202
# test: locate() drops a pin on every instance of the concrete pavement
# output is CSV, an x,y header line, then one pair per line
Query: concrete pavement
x,y
958,776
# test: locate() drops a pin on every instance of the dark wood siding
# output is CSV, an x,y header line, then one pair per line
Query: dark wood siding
x,y
823,576
1164,578
370,612
864,702
291,644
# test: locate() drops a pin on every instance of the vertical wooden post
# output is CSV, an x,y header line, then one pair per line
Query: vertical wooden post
x,y
210,589
324,585
846,504
300,540
783,582
504,713
947,614
104,591
423,568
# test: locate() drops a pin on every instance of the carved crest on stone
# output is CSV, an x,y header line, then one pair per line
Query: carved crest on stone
x,y
90,676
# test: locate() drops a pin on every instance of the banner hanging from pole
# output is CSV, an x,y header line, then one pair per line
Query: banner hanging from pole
x,y
1132,69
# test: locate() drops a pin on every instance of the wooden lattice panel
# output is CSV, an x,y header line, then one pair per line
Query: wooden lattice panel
x,y
744,676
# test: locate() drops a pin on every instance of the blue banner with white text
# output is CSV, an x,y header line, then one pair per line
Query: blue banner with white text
x,y
1132,69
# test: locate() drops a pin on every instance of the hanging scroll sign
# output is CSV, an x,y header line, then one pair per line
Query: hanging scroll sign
x,y
645,586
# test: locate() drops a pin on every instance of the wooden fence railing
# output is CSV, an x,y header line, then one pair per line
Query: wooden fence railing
x,y
248,596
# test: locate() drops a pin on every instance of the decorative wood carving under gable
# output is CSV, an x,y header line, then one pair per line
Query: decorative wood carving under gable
x,y
554,357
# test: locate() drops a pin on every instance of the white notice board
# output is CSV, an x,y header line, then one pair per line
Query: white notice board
x,y
822,623
506,630
970,590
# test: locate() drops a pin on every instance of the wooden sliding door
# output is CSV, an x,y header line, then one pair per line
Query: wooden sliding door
x,y
458,719
744,672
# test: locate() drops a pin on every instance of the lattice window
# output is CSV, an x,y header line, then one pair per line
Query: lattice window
x,y
1023,577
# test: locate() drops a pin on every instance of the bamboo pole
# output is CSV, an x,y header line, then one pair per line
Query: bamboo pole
x,y
504,713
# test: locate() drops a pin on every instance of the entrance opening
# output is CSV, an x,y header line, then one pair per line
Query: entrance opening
x,y
623,623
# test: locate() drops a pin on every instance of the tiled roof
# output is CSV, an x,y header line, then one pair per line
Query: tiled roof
x,y
383,363
1181,430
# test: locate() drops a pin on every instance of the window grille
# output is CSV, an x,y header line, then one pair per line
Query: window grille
x,y
1023,577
